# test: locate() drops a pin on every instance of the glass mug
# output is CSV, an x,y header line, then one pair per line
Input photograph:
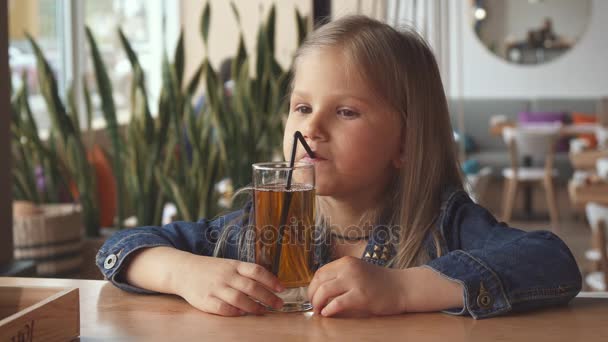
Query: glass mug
x,y
284,228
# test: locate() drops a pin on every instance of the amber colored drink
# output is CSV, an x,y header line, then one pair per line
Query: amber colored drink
x,y
296,261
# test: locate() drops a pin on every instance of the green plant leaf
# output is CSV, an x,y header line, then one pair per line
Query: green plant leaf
x,y
48,88
27,191
73,107
134,60
131,55
179,59
236,13
270,28
275,69
195,80
302,26
205,22
239,59
88,105
261,57
139,95
104,88
104,85
174,105
172,190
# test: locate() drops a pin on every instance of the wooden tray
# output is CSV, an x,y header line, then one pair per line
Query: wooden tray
x,y
39,314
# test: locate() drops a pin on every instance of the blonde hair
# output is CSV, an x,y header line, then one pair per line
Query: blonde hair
x,y
400,66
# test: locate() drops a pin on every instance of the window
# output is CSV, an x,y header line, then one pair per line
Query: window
x,y
40,19
105,18
58,27
149,25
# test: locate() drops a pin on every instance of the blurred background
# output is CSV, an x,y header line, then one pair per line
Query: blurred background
x,y
123,113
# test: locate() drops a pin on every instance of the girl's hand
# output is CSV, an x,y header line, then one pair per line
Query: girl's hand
x,y
227,287
350,286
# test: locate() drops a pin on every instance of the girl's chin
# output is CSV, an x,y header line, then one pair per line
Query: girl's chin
x,y
322,189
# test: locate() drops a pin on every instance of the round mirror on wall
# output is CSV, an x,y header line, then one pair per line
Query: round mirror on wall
x,y
530,31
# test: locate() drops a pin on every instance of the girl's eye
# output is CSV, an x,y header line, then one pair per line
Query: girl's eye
x,y
303,109
347,113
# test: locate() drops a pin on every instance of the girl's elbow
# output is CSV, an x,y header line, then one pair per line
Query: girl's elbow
x,y
557,252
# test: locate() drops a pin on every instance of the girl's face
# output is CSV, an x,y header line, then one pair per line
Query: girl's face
x,y
355,136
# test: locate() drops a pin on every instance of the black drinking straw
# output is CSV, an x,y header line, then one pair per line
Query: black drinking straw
x,y
287,202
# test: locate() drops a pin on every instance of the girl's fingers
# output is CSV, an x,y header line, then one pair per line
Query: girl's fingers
x,y
326,291
240,301
217,306
338,304
320,277
259,274
255,290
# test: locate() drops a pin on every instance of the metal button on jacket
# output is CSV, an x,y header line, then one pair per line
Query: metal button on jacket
x,y
484,299
110,261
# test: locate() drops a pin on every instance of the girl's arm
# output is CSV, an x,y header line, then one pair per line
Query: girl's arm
x,y
425,291
220,286
176,259
486,269
157,269
502,269
186,237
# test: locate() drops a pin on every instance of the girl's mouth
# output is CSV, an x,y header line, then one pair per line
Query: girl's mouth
x,y
315,160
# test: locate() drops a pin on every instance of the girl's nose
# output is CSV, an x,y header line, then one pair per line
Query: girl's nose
x,y
314,129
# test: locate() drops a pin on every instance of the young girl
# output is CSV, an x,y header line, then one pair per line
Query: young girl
x,y
370,103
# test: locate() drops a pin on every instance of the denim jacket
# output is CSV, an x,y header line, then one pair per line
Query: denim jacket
x,y
502,269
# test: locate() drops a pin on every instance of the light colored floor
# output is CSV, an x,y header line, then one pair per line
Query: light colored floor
x,y
573,228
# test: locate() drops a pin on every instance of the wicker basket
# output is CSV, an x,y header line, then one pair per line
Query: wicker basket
x,y
52,238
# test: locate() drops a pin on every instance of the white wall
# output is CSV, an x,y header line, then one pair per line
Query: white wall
x,y
581,72
372,8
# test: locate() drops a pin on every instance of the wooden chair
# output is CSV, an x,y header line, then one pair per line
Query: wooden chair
x,y
536,143
597,215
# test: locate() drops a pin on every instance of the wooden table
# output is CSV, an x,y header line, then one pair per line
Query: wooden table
x,y
107,313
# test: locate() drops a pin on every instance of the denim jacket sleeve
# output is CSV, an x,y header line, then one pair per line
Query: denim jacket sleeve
x,y
502,269
194,237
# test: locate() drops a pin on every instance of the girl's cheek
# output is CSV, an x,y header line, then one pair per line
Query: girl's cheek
x,y
290,125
